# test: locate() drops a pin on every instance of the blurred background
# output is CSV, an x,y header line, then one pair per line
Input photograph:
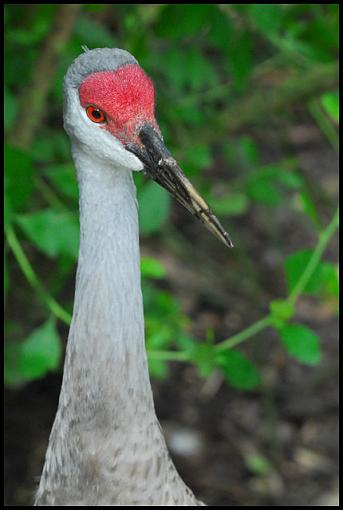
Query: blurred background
x,y
247,100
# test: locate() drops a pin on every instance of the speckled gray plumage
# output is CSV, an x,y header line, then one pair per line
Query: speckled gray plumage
x,y
106,446
94,61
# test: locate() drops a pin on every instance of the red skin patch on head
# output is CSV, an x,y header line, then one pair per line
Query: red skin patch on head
x,y
127,98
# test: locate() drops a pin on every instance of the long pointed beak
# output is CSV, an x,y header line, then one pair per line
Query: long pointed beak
x,y
162,168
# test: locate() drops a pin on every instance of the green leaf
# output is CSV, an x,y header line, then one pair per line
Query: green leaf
x,y
196,158
263,184
12,373
40,352
50,147
185,342
159,334
240,59
238,370
281,310
6,276
95,7
329,279
232,204
183,20
200,71
309,207
36,29
159,302
152,268
7,209
154,204
330,103
264,191
249,149
294,267
18,177
258,464
188,113
289,178
324,279
187,70
64,178
203,355
52,232
158,368
10,109
267,17
221,28
301,343
93,34
43,150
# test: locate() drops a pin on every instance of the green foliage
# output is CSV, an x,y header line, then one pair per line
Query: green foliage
x,y
188,71
265,184
18,178
258,464
267,20
51,147
232,204
152,268
6,276
54,233
92,34
308,207
154,204
203,355
205,59
330,103
301,342
32,358
165,324
238,370
281,311
10,109
40,352
324,281
64,179
240,60
197,157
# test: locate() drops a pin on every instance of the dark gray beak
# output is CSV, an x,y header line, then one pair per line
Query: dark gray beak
x,y
162,168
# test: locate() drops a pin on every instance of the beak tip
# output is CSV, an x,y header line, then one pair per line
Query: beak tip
x,y
229,243
159,164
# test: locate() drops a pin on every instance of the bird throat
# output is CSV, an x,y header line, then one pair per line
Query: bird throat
x,y
106,427
106,358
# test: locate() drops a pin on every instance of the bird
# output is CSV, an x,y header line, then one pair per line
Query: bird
x,y
106,446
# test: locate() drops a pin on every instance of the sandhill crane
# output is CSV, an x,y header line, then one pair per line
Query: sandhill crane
x,y
106,446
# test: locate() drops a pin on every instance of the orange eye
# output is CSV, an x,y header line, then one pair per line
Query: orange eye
x,y
95,114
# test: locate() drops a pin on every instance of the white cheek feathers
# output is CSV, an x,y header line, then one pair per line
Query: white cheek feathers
x,y
95,140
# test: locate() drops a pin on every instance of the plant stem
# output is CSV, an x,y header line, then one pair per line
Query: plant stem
x,y
262,103
258,326
244,335
170,355
324,238
49,195
32,278
324,123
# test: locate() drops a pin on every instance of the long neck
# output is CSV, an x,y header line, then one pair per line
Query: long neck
x,y
106,446
106,359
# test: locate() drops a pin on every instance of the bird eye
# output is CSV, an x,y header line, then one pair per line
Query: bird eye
x,y
95,114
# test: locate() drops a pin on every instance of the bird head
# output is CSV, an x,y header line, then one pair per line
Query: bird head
x,y
109,110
